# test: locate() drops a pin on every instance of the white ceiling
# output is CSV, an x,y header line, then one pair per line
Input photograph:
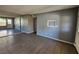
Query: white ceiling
x,y
15,10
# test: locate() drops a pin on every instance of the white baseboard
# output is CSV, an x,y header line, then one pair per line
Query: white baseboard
x,y
58,39
28,32
63,41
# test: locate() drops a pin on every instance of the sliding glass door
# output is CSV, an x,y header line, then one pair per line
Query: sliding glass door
x,y
9,23
3,23
6,23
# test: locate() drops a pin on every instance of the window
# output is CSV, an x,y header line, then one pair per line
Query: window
x,y
52,23
9,21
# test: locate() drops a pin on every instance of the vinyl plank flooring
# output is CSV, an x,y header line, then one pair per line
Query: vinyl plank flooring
x,y
32,44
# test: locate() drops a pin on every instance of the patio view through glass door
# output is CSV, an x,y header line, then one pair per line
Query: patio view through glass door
x,y
6,26
9,24
6,23
3,23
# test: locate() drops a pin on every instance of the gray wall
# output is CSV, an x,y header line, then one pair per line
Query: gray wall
x,y
42,28
26,24
17,23
66,25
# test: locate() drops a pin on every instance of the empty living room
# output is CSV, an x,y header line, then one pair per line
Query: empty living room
x,y
39,29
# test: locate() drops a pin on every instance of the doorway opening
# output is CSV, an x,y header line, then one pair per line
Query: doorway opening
x,y
9,23
35,24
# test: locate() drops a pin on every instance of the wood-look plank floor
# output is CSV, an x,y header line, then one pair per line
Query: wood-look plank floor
x,y
33,44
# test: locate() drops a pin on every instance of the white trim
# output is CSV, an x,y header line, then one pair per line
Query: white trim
x,y
63,41
30,32
27,32
57,39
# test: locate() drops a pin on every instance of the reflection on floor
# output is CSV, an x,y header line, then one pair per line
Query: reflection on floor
x,y
7,32
33,44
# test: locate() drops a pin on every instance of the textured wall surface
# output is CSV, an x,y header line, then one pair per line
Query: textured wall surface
x,y
17,23
26,23
65,30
